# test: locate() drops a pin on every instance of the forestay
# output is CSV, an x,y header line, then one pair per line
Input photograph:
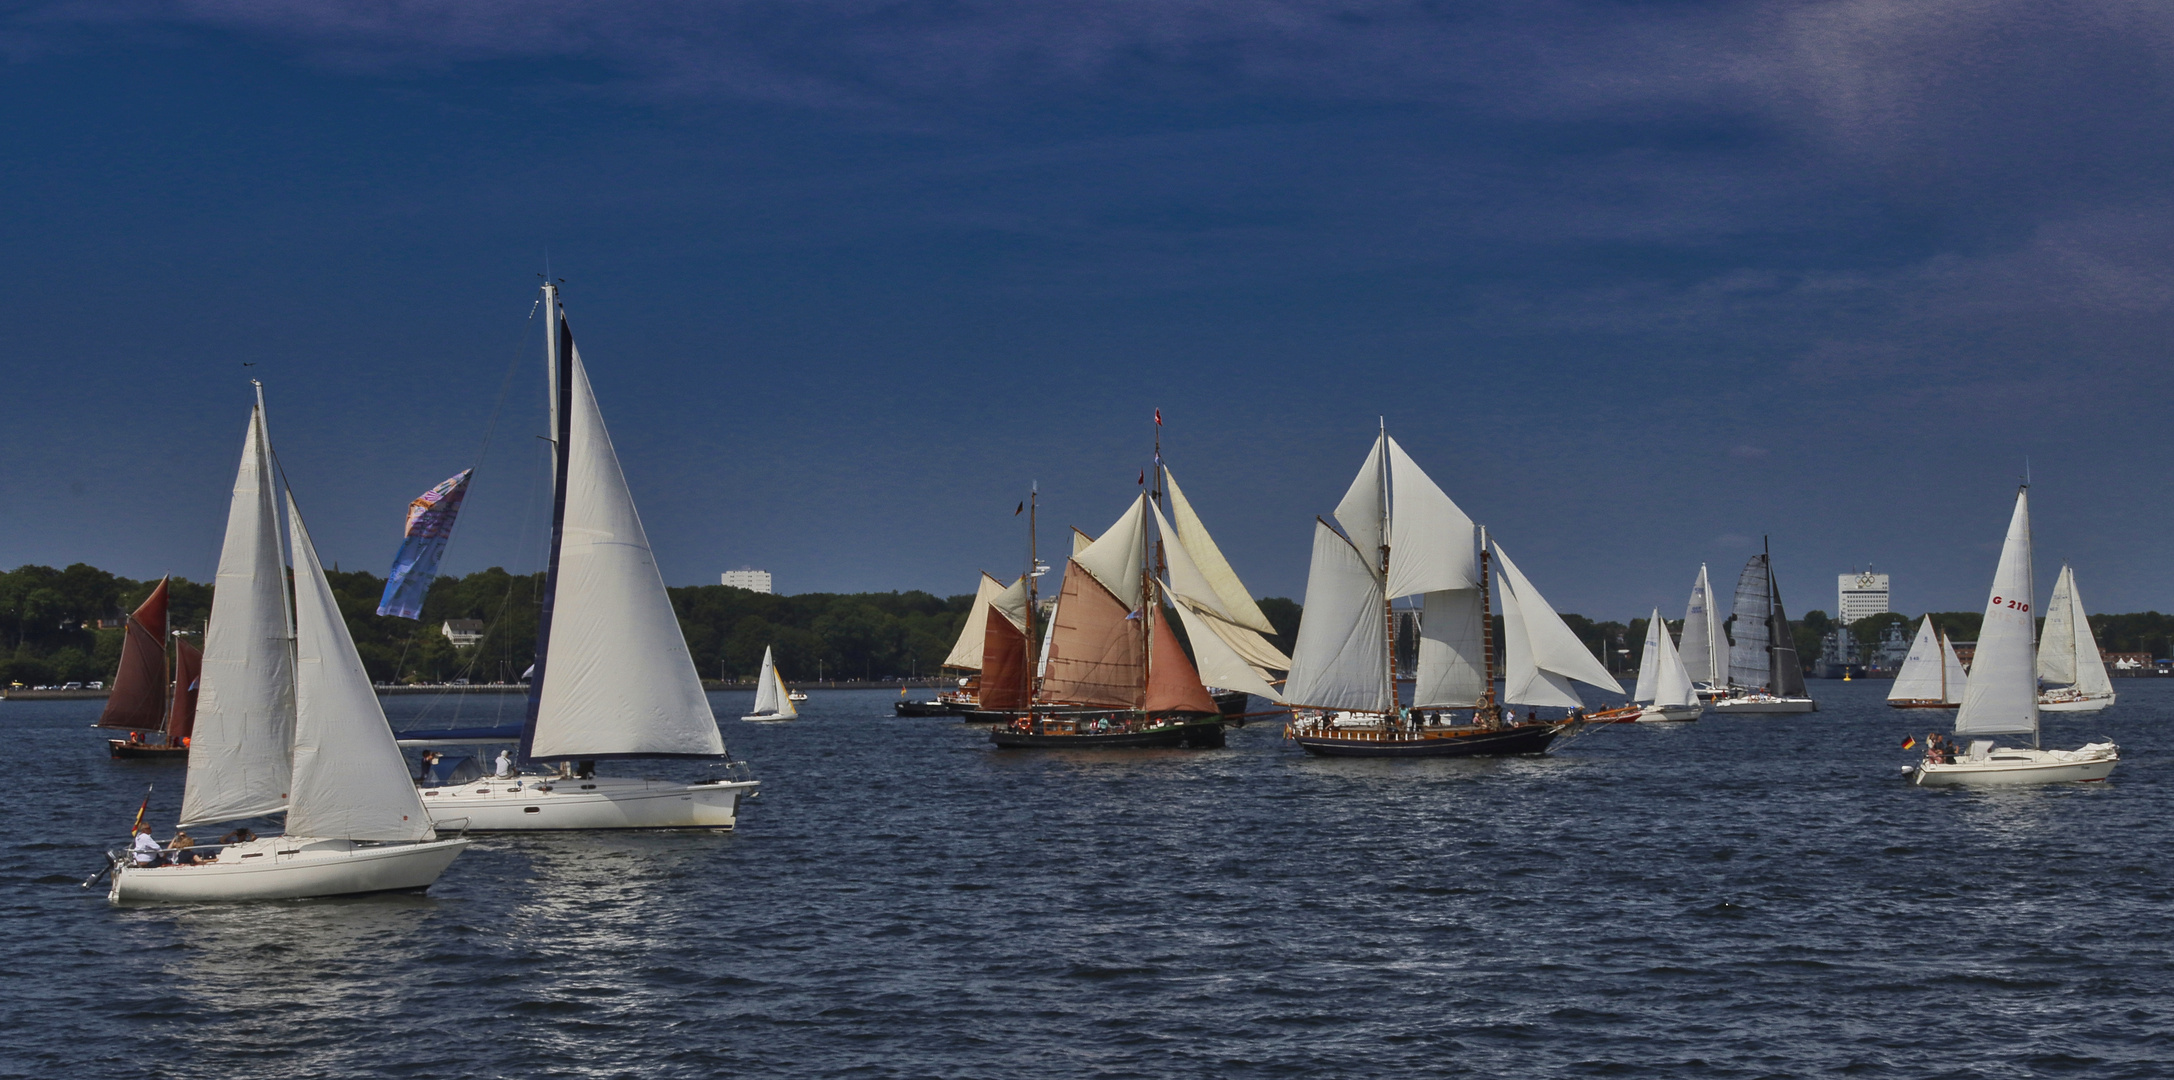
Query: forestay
x,y
2002,698
350,781
241,751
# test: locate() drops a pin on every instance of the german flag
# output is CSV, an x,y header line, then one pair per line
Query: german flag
x,y
1909,742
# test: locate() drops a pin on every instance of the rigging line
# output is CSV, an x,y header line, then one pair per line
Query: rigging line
x,y
505,385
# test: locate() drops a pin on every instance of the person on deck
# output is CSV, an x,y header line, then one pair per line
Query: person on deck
x,y
505,763
182,844
146,850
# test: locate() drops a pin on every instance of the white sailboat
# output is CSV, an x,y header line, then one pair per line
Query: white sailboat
x,y
1932,675
1664,683
2002,698
772,702
1764,676
2068,654
613,678
288,721
1706,640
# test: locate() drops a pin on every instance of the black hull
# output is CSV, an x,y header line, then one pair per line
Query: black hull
x,y
1202,735
926,708
1231,702
1511,742
122,750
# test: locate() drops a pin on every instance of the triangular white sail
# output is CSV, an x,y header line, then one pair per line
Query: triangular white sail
x,y
1190,587
1338,661
1431,541
1705,642
1649,659
1011,603
616,677
966,652
1923,671
1751,658
1080,541
1524,682
350,781
2068,652
1554,648
1219,665
2002,698
1115,560
1361,511
1237,604
241,751
771,696
1186,581
1672,683
1452,673
1958,679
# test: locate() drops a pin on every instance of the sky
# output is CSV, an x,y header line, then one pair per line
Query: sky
x,y
1637,283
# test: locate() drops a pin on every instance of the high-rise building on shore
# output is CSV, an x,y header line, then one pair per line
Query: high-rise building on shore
x,y
759,580
1860,594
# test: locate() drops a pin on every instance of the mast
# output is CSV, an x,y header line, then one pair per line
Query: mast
x,y
1388,603
1773,640
1487,636
559,352
1151,570
1034,581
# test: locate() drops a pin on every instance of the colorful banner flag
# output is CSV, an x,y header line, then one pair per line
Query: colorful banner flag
x,y
430,528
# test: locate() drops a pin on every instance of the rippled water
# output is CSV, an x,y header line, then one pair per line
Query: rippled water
x,y
1737,897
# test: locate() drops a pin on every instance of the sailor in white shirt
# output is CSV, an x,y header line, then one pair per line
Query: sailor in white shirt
x,y
146,849
505,763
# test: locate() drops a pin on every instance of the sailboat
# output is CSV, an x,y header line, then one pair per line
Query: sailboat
x,y
772,702
966,651
289,722
2068,654
157,712
613,677
1764,676
1706,640
2002,698
1664,683
1402,536
1932,675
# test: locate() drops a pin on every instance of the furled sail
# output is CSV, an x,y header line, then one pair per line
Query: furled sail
x,y
1096,652
1218,663
241,753
1431,541
188,671
138,700
1548,647
966,652
1452,664
1234,604
1923,670
1173,685
1751,659
428,531
1338,660
2002,698
1705,642
613,675
350,781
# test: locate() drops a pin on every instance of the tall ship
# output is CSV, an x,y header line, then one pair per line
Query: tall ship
x,y
1111,669
2068,655
1403,537
1764,675
154,700
1932,676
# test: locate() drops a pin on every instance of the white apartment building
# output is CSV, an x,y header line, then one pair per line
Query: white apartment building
x,y
1859,595
748,578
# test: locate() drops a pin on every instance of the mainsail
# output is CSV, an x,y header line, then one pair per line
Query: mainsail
x,y
1750,659
2002,698
1705,641
1784,672
138,699
241,752
771,697
1924,672
613,675
1338,661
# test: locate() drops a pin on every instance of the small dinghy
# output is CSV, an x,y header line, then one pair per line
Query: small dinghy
x,y
772,702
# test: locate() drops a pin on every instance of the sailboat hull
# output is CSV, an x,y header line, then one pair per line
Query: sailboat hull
x,y
2074,704
289,868
2006,767
122,749
1067,734
1675,714
1921,704
537,803
926,708
770,718
1520,740
1765,705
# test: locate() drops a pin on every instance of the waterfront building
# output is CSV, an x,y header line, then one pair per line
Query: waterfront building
x,y
462,632
748,578
1859,595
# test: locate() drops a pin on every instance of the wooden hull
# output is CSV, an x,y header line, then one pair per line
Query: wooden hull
x,y
1202,734
1515,741
1921,703
123,750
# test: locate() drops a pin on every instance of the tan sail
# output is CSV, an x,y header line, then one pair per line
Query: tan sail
x,y
1096,652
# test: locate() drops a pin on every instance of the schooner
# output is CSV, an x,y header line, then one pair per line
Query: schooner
x,y
1402,536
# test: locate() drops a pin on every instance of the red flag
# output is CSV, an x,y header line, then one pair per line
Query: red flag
x,y
1143,476
1158,418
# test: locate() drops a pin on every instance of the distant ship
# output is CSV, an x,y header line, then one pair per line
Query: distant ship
x,y
154,702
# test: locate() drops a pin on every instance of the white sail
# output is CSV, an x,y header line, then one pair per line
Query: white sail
x,y
350,781
1957,678
1115,560
1649,659
1431,542
769,696
616,676
1011,603
1080,541
1186,581
1236,604
1452,672
966,652
1361,511
240,754
1339,660
1751,659
2068,653
1554,648
1705,642
2002,698
1923,671
1524,681
1672,685
1218,664
1190,587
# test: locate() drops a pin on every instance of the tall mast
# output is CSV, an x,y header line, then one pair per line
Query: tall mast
x,y
1388,605
1151,571
1773,632
559,351
1034,566
1487,632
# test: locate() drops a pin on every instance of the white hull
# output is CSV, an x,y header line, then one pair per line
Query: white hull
x,y
550,802
1653,714
290,868
770,718
2006,767
1765,704
2069,704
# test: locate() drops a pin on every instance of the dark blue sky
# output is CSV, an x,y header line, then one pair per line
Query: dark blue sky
x,y
1636,282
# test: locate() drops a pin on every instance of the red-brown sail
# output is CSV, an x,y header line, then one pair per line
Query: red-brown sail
x,y
1096,655
1172,683
138,700
1005,680
181,719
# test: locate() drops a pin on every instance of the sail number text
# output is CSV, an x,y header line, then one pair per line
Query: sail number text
x,y
2013,605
